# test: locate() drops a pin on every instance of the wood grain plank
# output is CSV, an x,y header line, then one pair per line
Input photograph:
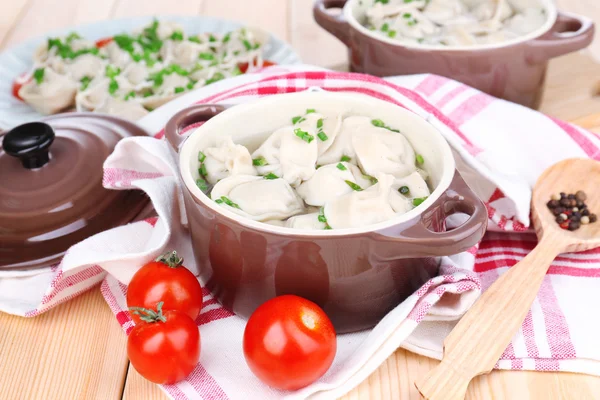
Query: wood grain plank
x,y
10,16
314,44
268,15
74,351
134,8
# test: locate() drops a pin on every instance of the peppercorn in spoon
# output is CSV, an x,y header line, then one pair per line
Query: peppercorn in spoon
x,y
481,336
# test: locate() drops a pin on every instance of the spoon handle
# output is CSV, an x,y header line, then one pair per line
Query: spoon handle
x,y
483,333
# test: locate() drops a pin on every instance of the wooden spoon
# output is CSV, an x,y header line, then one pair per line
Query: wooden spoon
x,y
481,336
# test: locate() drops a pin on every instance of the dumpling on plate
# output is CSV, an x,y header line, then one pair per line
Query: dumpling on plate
x,y
330,182
48,92
226,159
124,109
306,221
100,90
257,198
289,153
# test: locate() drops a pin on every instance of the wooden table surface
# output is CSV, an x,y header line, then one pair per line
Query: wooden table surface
x,y
77,350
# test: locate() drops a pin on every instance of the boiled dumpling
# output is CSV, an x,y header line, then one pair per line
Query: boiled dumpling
x,y
527,21
342,145
442,11
416,185
330,182
226,159
257,198
497,10
288,156
393,8
124,109
361,208
305,221
86,65
183,53
54,93
98,93
329,125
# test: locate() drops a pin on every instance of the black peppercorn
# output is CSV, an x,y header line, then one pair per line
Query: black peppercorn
x,y
585,211
558,210
580,195
571,196
563,195
572,203
575,218
553,204
593,218
565,202
574,225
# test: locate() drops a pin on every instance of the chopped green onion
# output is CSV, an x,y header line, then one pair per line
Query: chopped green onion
x,y
354,186
247,44
307,137
201,156
177,35
318,166
327,227
417,201
311,110
370,178
383,1
230,203
406,15
271,176
319,123
216,77
385,27
345,159
202,170
378,123
190,85
85,82
202,185
322,136
129,95
420,159
392,34
298,119
112,71
341,167
206,56
179,89
227,37
113,86
72,36
404,190
322,217
195,39
38,75
259,162
219,201
211,38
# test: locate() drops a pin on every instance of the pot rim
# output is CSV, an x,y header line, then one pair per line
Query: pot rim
x,y
548,5
187,152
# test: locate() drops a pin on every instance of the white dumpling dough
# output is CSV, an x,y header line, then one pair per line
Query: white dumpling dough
x,y
305,221
381,151
331,127
329,183
55,93
125,109
258,198
226,159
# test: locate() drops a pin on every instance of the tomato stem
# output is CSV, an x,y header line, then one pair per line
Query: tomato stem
x,y
171,259
149,315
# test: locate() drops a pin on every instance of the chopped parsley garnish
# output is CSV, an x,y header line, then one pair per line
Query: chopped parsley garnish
x,y
341,167
177,35
404,190
85,82
201,156
307,137
206,56
202,185
112,71
129,95
179,89
227,201
320,123
202,170
38,75
259,162
322,136
271,176
113,86
298,119
417,201
345,159
420,159
311,111
370,178
354,186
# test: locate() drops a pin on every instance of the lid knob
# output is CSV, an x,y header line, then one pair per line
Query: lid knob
x,y
30,143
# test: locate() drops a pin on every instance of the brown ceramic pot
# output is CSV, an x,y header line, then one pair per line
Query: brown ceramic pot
x,y
356,275
514,70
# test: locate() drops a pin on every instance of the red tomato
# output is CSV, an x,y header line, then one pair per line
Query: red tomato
x,y
168,281
18,84
289,342
164,348
103,42
244,66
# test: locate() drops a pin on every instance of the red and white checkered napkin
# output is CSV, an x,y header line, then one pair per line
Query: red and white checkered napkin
x,y
501,149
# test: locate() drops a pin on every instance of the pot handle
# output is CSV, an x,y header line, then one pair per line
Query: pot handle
x,y
421,241
334,24
569,33
186,117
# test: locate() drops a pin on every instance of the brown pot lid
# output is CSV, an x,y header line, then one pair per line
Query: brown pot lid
x,y
51,193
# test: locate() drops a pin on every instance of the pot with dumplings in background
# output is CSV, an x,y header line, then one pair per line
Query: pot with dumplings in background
x,y
512,68
356,274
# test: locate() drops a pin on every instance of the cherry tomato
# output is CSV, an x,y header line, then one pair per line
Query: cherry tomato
x,y
164,348
244,66
18,84
103,42
168,281
289,342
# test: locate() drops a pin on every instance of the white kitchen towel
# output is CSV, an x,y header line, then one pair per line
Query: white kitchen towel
x,y
502,147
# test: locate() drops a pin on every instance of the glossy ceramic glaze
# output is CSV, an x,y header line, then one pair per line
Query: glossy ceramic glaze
x,y
515,70
356,275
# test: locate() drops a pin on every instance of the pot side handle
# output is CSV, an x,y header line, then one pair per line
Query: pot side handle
x,y
569,33
421,241
334,24
176,126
